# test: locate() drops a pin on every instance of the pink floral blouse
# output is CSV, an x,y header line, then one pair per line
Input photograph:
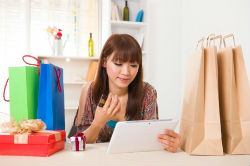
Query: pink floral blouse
x,y
149,111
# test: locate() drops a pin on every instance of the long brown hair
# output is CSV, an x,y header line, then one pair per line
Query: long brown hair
x,y
125,49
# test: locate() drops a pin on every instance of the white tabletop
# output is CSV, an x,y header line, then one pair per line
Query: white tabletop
x,y
95,154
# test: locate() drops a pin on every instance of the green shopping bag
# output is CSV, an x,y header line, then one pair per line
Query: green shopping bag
x,y
23,91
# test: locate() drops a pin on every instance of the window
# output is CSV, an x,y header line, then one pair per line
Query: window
x,y
23,25
12,27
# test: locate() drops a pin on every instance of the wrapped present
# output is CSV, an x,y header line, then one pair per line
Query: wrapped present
x,y
78,142
42,143
27,138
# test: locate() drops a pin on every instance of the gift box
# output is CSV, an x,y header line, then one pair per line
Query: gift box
x,y
42,143
78,142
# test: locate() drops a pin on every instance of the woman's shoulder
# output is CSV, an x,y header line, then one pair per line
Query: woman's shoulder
x,y
150,92
149,105
149,88
86,87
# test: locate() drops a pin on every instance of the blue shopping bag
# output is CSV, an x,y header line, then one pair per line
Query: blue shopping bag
x,y
51,97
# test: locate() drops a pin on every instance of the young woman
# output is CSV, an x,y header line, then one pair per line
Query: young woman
x,y
120,77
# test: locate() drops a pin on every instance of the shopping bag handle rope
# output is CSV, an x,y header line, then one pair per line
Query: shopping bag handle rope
x,y
227,36
5,90
58,75
38,64
212,35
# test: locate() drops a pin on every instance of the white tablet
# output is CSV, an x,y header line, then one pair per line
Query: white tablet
x,y
141,135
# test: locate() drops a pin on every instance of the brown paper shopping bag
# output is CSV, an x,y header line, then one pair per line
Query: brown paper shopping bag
x,y
200,122
234,100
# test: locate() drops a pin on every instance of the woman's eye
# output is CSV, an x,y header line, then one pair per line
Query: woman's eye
x,y
133,66
118,64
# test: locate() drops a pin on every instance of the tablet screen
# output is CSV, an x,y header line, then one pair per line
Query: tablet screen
x,y
135,136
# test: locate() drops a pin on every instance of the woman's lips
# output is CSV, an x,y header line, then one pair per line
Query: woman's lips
x,y
123,79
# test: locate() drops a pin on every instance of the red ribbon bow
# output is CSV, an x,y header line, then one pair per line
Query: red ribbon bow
x,y
83,138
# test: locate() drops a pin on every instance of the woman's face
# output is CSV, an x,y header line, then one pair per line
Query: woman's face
x,y
121,74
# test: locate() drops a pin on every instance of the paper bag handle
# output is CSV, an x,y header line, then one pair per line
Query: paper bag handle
x,y
7,100
216,37
200,41
227,36
209,39
38,64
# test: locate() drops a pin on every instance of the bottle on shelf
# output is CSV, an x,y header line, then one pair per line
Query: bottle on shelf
x,y
91,46
126,12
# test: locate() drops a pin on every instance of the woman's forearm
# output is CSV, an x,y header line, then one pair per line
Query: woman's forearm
x,y
92,132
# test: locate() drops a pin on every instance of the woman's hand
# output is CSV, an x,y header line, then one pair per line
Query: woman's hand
x,y
105,113
170,140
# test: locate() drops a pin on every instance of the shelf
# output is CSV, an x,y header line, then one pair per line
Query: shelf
x,y
75,83
128,24
68,58
71,108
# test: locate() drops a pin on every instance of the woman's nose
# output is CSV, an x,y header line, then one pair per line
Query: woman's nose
x,y
125,69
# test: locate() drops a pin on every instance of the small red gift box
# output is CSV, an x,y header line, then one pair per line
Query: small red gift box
x,y
78,142
42,143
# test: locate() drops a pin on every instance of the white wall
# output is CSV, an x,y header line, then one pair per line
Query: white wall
x,y
174,28
164,54
220,17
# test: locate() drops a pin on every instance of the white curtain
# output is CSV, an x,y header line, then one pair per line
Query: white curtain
x,y
12,27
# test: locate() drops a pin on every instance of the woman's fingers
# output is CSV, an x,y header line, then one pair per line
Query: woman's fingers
x,y
167,142
166,137
169,147
171,133
113,104
170,140
117,108
108,102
